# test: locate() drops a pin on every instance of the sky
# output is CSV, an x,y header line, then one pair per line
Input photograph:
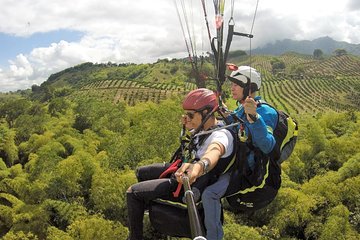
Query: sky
x,y
41,37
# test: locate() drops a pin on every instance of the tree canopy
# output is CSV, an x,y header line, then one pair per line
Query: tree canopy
x,y
67,178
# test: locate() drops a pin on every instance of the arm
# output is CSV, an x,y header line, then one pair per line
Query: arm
x,y
194,170
261,132
262,135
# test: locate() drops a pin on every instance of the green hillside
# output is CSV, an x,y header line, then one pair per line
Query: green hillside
x,y
321,85
304,86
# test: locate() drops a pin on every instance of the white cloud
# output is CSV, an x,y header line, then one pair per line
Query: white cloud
x,y
21,67
17,75
354,5
37,66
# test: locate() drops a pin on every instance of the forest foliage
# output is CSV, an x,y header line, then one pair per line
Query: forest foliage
x,y
66,161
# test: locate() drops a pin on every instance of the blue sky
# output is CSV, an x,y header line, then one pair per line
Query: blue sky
x,y
13,45
41,37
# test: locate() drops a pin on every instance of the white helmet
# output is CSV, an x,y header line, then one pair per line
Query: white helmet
x,y
245,75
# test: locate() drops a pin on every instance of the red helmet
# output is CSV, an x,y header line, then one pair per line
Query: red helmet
x,y
200,99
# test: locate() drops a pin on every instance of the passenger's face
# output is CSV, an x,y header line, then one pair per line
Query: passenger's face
x,y
236,91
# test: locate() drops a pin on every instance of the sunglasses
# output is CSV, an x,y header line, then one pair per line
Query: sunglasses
x,y
190,114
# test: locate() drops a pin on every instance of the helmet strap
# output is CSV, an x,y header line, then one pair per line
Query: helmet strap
x,y
247,90
204,118
246,93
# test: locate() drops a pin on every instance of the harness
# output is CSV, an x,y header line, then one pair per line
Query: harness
x,y
263,171
186,153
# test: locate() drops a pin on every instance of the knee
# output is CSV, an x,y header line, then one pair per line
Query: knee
x,y
129,190
208,195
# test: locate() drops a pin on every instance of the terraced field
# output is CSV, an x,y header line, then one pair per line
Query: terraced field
x,y
133,91
326,84
330,84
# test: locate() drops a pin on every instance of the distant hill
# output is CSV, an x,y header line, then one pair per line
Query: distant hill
x,y
333,81
326,44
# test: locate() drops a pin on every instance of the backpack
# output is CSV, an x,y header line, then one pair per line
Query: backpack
x,y
285,133
250,190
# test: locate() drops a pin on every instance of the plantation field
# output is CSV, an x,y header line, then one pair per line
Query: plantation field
x,y
329,84
131,92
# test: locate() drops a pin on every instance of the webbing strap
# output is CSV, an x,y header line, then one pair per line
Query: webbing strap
x,y
177,191
229,39
171,169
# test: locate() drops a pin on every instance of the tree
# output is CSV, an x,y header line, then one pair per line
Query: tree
x,y
66,183
337,224
351,168
325,188
292,209
318,54
107,192
27,124
297,71
146,140
234,231
35,88
351,192
12,235
13,108
97,116
237,53
62,92
340,52
43,154
95,227
8,149
57,234
33,219
58,106
174,69
277,65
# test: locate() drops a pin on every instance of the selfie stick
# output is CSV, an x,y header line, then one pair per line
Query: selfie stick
x,y
195,226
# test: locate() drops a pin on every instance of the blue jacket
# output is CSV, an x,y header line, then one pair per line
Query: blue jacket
x,y
261,131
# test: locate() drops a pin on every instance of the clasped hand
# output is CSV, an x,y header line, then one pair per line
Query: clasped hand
x,y
189,169
250,106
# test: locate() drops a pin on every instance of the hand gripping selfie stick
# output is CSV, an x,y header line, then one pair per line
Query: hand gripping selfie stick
x,y
195,226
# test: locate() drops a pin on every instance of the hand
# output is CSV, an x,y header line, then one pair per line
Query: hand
x,y
182,171
193,171
224,109
250,106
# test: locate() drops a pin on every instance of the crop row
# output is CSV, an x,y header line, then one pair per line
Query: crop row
x,y
333,83
313,95
132,92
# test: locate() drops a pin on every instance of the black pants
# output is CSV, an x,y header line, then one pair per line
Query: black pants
x,y
148,188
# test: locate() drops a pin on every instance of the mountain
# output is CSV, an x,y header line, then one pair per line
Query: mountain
x,y
326,44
